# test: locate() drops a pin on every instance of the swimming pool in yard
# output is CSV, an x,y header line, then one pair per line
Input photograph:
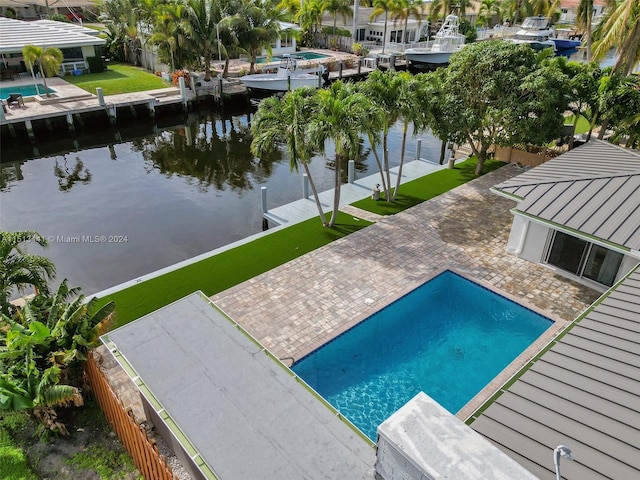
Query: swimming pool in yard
x,y
449,338
302,55
24,90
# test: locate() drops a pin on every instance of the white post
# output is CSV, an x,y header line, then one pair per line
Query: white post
x,y
183,90
264,199
418,148
351,171
100,94
305,186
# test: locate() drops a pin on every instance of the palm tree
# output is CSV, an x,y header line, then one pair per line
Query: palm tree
x,y
489,8
254,28
338,7
49,61
286,121
338,118
202,29
310,17
19,269
410,94
439,8
584,15
382,89
620,29
407,9
166,26
380,7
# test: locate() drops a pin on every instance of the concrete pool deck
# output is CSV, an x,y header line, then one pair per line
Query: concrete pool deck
x,y
297,307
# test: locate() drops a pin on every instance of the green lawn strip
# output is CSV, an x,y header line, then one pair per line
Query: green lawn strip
x,y
581,125
13,461
229,268
425,188
119,78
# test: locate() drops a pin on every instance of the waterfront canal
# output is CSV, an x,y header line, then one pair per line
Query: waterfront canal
x,y
117,205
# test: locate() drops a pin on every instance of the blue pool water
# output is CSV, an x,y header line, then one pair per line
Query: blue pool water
x,y
303,55
449,338
24,90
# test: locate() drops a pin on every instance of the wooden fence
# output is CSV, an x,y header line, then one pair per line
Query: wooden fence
x,y
514,155
134,437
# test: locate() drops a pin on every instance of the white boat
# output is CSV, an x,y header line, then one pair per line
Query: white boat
x,y
447,41
536,32
286,77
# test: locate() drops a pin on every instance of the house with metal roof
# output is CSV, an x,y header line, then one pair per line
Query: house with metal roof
x,y
579,214
74,42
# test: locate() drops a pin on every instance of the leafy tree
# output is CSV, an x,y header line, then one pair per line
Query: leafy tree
x,y
617,100
500,93
48,60
287,121
167,25
20,269
620,29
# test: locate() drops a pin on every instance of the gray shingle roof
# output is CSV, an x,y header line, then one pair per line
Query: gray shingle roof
x,y
584,393
572,191
15,34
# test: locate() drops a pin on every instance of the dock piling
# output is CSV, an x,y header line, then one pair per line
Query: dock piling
x,y
418,148
305,186
351,175
264,199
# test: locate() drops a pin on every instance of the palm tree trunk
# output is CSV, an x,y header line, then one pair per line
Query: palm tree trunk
x,y
44,80
402,150
384,38
315,193
380,169
336,190
386,167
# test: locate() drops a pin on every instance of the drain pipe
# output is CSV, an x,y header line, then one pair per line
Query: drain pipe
x,y
523,236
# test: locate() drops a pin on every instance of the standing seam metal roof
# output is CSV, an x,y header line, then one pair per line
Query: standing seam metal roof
x,y
571,191
584,393
15,34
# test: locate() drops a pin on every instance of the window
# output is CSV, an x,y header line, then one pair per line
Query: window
x,y
583,259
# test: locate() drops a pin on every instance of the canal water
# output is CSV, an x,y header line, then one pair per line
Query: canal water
x,y
116,205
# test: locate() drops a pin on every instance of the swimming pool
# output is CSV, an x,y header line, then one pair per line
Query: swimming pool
x,y
449,338
303,55
24,90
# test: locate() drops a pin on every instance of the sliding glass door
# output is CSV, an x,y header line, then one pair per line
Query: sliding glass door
x,y
583,258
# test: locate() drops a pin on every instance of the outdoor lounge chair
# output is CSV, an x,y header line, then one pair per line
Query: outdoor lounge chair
x,y
15,99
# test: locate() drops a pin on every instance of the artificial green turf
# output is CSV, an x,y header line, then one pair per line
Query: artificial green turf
x,y
120,78
231,267
422,189
582,124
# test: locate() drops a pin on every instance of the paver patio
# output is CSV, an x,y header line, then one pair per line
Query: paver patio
x,y
297,307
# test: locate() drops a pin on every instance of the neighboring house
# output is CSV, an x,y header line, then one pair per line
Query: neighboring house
x,y
74,42
368,30
579,213
568,9
36,9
